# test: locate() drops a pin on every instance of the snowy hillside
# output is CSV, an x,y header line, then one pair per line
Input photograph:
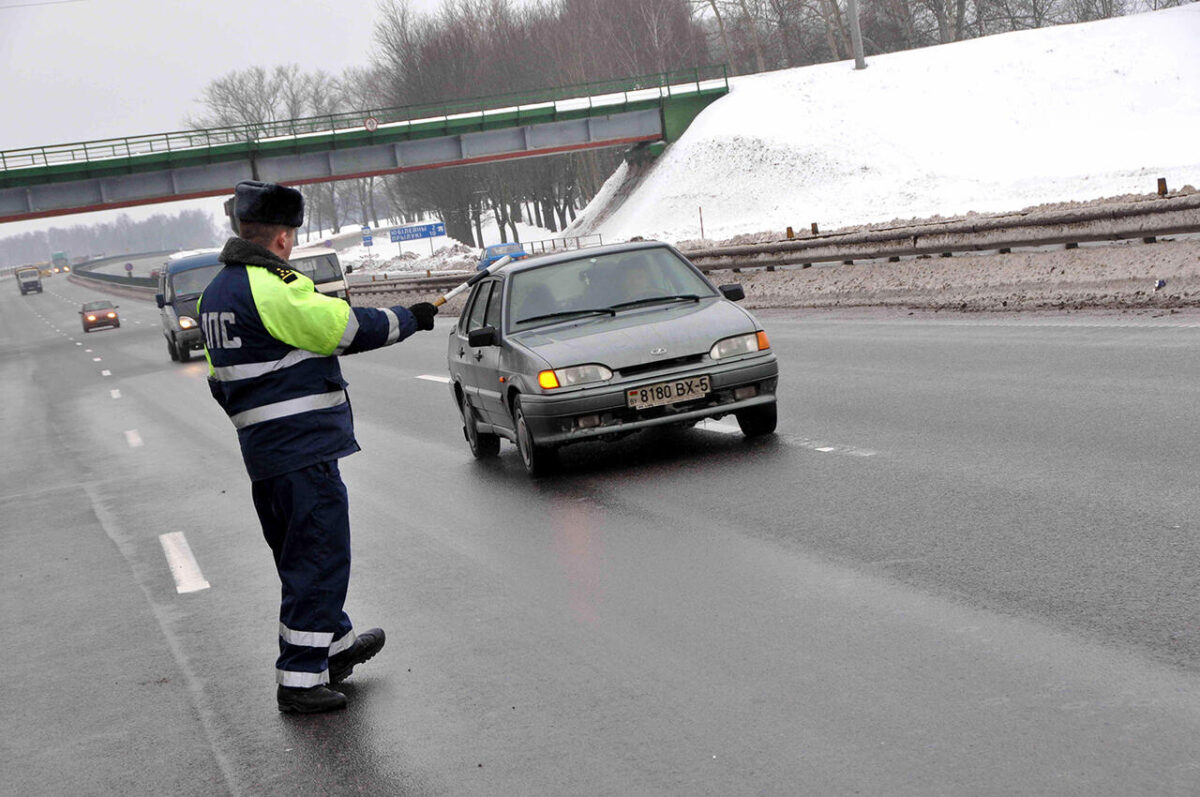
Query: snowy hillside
x,y
1067,113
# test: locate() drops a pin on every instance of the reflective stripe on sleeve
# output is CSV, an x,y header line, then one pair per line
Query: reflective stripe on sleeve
x,y
309,639
282,409
342,644
393,326
348,335
232,373
301,680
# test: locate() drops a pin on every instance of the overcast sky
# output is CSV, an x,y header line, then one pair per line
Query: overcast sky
x,y
78,70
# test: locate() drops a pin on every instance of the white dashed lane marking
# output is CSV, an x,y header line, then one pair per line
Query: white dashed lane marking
x,y
106,373
133,438
115,393
445,380
184,568
95,359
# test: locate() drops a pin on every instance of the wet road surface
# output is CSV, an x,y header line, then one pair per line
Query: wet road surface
x,y
966,564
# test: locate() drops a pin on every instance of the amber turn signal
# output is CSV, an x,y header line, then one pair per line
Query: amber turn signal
x,y
547,380
763,343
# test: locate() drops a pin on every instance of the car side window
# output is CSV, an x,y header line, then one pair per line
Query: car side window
x,y
480,307
492,317
469,307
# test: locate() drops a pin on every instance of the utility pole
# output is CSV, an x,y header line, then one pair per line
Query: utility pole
x,y
855,34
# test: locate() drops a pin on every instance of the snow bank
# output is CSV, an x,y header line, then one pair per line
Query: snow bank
x,y
1073,112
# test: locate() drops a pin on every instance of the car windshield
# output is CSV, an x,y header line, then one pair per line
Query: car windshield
x,y
193,280
321,268
603,283
91,306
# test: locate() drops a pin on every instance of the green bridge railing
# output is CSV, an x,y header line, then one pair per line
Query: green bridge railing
x,y
597,94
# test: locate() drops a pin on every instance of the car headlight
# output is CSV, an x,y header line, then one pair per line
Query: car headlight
x,y
186,323
91,318
740,344
574,376
112,315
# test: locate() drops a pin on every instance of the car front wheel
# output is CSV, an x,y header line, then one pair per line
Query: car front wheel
x,y
171,350
758,421
185,351
483,444
537,459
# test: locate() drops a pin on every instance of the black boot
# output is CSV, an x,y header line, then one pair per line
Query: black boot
x,y
309,701
369,643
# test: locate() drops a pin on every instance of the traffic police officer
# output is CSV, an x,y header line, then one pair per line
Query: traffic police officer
x,y
272,344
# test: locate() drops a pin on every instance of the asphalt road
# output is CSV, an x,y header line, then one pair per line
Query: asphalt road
x,y
965,565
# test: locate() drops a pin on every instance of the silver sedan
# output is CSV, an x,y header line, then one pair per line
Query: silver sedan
x,y
599,343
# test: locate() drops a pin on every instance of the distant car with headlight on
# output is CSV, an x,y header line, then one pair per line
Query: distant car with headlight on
x,y
181,280
99,314
599,343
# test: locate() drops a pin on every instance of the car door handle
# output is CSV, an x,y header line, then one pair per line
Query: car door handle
x,y
460,351
478,356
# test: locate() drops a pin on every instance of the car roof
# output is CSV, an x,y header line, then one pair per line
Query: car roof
x,y
538,261
194,261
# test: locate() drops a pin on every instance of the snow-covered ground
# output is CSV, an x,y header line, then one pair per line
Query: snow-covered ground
x,y
1072,112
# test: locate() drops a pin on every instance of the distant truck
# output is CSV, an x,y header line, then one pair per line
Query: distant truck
x,y
60,262
29,280
324,269
494,252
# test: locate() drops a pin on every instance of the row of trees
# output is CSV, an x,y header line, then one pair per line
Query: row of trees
x,y
487,47
190,229
759,35
472,48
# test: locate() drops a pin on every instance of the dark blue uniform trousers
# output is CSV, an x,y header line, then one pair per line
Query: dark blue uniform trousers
x,y
306,521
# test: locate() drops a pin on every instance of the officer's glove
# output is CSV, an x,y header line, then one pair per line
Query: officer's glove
x,y
424,313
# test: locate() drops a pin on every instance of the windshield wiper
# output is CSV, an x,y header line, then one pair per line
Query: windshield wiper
x,y
684,297
564,313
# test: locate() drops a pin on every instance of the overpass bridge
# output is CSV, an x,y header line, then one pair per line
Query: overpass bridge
x,y
39,182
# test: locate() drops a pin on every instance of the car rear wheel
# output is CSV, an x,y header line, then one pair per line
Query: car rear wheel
x,y
537,459
483,444
758,421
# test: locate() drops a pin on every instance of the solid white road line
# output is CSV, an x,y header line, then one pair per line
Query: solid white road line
x,y
445,380
133,438
188,577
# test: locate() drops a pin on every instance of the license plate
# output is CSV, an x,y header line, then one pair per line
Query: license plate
x,y
693,387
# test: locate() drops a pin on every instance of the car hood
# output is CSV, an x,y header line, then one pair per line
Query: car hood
x,y
628,338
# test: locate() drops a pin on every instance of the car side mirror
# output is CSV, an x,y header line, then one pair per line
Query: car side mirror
x,y
349,269
159,299
733,292
484,336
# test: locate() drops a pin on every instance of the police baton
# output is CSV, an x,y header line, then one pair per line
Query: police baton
x,y
474,278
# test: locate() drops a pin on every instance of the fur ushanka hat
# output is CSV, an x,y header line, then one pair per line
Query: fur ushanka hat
x,y
269,203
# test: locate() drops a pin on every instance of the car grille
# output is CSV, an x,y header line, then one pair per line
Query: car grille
x,y
661,365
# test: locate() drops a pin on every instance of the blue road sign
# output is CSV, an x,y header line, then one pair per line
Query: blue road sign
x,y
417,232
366,232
